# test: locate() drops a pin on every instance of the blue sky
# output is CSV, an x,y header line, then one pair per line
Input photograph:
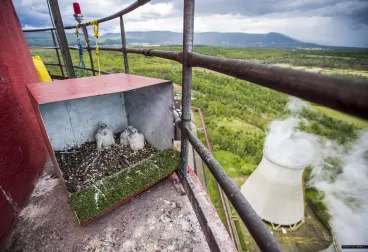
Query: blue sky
x,y
328,22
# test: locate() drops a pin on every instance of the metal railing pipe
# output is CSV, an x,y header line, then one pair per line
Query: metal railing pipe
x,y
123,45
346,95
188,31
63,42
92,69
53,64
86,37
128,9
260,233
89,69
43,47
176,56
57,52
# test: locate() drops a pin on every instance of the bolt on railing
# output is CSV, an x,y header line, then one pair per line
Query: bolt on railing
x,y
349,96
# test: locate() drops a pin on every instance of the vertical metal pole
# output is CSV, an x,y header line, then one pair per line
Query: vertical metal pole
x,y
63,42
186,80
123,44
57,52
85,32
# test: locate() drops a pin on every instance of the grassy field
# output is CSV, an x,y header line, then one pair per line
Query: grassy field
x,y
341,116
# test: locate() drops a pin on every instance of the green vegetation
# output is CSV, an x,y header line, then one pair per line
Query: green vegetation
x,y
241,235
329,127
95,199
342,117
234,166
237,113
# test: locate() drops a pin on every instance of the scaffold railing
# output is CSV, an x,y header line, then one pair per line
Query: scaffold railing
x,y
346,95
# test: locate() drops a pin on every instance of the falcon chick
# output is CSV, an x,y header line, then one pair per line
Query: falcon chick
x,y
136,140
124,137
131,128
104,136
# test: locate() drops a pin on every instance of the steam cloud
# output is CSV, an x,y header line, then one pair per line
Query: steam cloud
x,y
346,191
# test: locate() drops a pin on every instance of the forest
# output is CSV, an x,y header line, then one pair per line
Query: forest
x,y
238,112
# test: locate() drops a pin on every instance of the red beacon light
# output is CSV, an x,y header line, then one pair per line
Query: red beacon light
x,y
77,12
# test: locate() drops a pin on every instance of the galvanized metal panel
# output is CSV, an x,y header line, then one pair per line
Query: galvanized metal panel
x,y
58,126
149,110
73,122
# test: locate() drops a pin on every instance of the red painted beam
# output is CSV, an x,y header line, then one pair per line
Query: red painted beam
x,y
22,150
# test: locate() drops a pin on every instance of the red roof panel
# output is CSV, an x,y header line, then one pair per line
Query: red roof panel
x,y
62,90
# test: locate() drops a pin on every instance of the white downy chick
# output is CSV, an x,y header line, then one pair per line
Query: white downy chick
x,y
136,140
104,136
131,128
124,137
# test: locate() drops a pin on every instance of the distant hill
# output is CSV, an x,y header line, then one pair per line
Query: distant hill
x,y
268,40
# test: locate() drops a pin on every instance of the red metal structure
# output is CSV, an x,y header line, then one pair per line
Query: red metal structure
x,y
22,150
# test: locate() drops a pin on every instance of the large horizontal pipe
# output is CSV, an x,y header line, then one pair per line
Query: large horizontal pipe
x,y
44,47
128,9
260,233
346,95
89,69
176,56
53,64
58,77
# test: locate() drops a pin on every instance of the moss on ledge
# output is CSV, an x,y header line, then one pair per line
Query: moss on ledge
x,y
97,198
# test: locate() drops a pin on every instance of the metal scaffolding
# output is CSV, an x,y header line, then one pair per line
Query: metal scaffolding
x,y
346,95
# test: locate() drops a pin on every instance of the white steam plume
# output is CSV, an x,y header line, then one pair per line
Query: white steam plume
x,y
346,191
288,146
346,197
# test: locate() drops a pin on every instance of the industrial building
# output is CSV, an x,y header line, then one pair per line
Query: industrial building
x,y
275,191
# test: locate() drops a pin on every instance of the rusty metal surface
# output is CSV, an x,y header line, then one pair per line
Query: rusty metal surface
x,y
86,37
346,95
63,42
86,68
216,235
261,234
57,77
176,56
44,47
89,86
57,53
186,98
123,45
128,9
93,70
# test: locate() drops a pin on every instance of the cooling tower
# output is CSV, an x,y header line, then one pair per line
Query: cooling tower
x,y
275,192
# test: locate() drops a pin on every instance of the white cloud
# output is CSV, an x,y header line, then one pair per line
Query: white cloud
x,y
324,24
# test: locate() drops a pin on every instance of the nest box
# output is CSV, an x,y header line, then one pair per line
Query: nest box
x,y
70,111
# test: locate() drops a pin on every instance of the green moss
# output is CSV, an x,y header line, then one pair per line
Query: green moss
x,y
94,199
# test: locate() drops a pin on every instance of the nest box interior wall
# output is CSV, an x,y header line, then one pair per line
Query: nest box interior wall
x,y
150,111
74,122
